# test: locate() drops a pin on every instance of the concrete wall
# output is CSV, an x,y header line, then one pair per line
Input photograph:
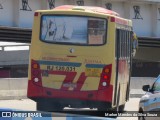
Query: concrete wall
x,y
25,17
14,57
13,88
6,14
143,27
13,15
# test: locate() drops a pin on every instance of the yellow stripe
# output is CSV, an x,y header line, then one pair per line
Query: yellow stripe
x,y
91,83
53,81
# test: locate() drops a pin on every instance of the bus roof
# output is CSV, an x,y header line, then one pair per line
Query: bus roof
x,y
89,8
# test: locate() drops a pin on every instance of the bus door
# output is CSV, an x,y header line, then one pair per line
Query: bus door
x,y
117,57
123,63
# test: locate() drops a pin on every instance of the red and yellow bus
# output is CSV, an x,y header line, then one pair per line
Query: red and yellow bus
x,y
80,56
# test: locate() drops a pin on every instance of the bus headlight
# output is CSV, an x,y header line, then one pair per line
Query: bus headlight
x,y
36,79
104,84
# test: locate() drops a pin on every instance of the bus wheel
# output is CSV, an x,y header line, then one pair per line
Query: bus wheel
x,y
118,107
121,108
42,106
102,108
57,107
127,92
49,107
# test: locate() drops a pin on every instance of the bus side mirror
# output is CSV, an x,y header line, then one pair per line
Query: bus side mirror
x,y
146,88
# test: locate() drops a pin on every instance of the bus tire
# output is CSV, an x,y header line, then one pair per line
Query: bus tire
x,y
42,107
127,92
102,108
121,108
49,107
118,97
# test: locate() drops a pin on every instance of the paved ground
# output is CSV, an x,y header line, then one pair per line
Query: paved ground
x,y
21,104
29,105
131,107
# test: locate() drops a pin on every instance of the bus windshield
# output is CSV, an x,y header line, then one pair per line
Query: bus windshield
x,y
76,30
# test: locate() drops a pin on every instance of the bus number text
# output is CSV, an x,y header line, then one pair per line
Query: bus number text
x,y
61,68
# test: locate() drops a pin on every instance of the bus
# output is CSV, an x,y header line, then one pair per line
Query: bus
x,y
80,57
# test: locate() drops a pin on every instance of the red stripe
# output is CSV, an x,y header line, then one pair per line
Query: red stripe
x,y
98,95
80,81
68,79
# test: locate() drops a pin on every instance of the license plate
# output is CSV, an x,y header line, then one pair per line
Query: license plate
x,y
95,72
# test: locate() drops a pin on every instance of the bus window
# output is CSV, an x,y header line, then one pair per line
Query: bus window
x,y
73,30
96,31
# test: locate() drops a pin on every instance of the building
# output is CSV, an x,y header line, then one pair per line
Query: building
x,y
145,14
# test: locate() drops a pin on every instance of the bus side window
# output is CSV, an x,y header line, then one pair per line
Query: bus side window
x,y
117,44
130,39
125,45
122,44
120,47
128,45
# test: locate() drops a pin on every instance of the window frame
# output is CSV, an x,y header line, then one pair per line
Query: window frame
x,y
157,79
